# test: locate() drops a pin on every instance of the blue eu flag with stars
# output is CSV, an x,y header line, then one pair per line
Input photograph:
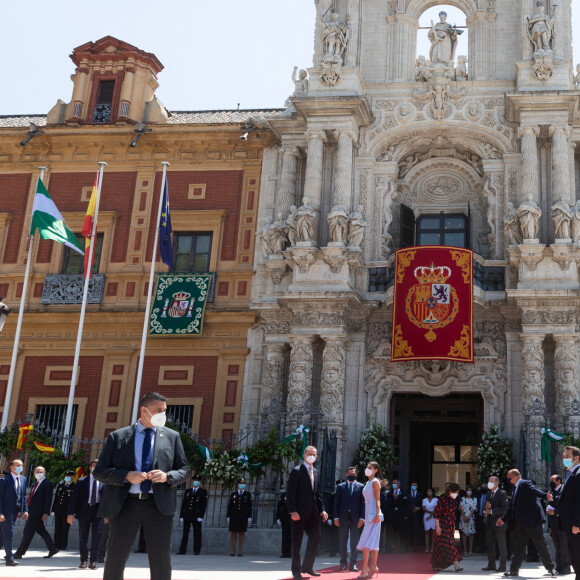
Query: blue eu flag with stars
x,y
165,231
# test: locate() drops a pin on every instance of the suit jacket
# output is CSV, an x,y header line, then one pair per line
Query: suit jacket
x,y
8,499
62,498
301,496
118,458
553,520
282,509
417,502
397,506
499,506
527,508
569,506
239,506
41,500
194,504
346,505
79,501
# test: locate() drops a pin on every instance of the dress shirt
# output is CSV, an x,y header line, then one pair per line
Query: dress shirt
x,y
92,483
17,489
139,438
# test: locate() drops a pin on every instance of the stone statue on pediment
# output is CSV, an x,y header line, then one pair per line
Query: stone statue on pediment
x,y
305,217
561,216
529,214
511,223
356,227
443,39
338,223
300,80
334,39
540,30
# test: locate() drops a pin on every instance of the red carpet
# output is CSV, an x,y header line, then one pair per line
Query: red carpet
x,y
411,566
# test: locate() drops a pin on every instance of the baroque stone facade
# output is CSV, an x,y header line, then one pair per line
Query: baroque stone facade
x,y
488,137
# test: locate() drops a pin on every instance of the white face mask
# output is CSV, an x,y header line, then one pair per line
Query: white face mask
x,y
39,476
368,472
310,459
157,420
453,495
490,484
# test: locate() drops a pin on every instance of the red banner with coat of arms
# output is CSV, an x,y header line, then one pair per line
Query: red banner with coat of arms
x,y
433,304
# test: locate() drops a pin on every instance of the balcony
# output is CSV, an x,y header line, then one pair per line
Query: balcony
x,y
68,289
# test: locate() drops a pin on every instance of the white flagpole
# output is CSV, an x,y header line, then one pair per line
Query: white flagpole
x,y
19,323
71,393
149,295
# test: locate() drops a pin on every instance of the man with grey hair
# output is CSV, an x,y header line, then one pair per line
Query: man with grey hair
x,y
496,506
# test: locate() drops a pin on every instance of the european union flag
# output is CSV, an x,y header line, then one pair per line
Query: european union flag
x,y
165,248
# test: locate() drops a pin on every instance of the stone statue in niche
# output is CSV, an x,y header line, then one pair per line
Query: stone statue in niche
x,y
561,216
529,214
291,224
277,235
334,39
443,39
305,217
420,69
338,222
511,222
491,195
461,68
265,238
300,80
576,221
388,199
540,30
356,227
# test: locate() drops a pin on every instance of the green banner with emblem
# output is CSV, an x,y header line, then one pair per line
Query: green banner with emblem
x,y
179,304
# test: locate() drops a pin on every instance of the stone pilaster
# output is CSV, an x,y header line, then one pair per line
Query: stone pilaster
x,y
343,172
560,163
530,178
272,374
532,369
352,23
287,190
313,176
301,367
565,372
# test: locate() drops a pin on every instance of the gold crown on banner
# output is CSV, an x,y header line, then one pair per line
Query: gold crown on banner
x,y
181,296
432,274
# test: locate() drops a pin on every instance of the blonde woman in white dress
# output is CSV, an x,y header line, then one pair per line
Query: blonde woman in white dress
x,y
429,504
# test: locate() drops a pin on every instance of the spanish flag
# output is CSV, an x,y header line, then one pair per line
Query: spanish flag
x,y
23,432
88,228
43,448
79,472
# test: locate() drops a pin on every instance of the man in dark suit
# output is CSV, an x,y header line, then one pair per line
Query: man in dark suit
x,y
192,512
306,508
558,536
417,531
62,497
397,516
12,506
526,515
569,507
38,505
349,511
496,506
84,506
141,467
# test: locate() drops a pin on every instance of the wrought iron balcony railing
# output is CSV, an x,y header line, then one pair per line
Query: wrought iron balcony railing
x,y
68,289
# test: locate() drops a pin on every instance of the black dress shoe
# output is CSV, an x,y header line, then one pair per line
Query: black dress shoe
x,y
297,577
311,572
490,568
342,567
180,553
51,554
510,573
353,568
501,569
17,556
553,573
11,562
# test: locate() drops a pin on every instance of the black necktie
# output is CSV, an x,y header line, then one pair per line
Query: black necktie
x,y
93,492
146,457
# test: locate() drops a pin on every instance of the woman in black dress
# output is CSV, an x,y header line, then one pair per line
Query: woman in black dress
x,y
444,551
239,515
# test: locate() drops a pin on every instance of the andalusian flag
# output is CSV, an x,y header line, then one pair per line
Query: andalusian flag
x,y
205,452
43,448
547,436
49,221
88,227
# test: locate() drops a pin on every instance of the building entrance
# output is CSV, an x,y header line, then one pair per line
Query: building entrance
x,y
436,439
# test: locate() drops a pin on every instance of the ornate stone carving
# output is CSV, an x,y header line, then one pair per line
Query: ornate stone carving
x,y
68,289
303,258
576,222
488,150
561,216
473,111
491,196
543,68
318,318
300,373
335,261
530,182
539,30
548,316
529,214
331,75
563,259
334,39
405,113
443,39
332,380
532,369
438,94
272,374
531,260
306,218
338,223
277,321
565,371
411,160
275,269
388,197
300,80
356,227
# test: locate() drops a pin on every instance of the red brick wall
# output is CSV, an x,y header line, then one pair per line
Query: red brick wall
x,y
116,195
204,383
13,195
89,383
223,191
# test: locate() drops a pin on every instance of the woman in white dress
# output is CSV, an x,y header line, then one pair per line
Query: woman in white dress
x,y
429,504
468,507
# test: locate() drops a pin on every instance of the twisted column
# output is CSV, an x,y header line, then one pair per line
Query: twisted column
x,y
272,374
530,176
343,171
560,163
301,366
565,372
287,190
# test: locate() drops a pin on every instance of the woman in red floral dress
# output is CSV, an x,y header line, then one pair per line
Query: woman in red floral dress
x,y
444,551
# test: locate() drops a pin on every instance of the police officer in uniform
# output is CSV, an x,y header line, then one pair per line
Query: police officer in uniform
x,y
64,491
192,513
283,520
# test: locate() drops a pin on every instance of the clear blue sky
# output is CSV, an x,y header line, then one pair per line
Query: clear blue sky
x,y
216,53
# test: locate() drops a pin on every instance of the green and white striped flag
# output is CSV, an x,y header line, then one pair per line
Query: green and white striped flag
x,y
49,221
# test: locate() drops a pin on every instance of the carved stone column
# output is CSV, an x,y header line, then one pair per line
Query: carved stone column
x,y
272,374
300,376
332,387
287,191
352,21
560,163
343,172
313,175
530,178
565,373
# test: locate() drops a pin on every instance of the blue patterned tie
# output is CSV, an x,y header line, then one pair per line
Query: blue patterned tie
x,y
146,460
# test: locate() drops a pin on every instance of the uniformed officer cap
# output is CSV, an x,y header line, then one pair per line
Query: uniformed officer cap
x,y
242,480
70,472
